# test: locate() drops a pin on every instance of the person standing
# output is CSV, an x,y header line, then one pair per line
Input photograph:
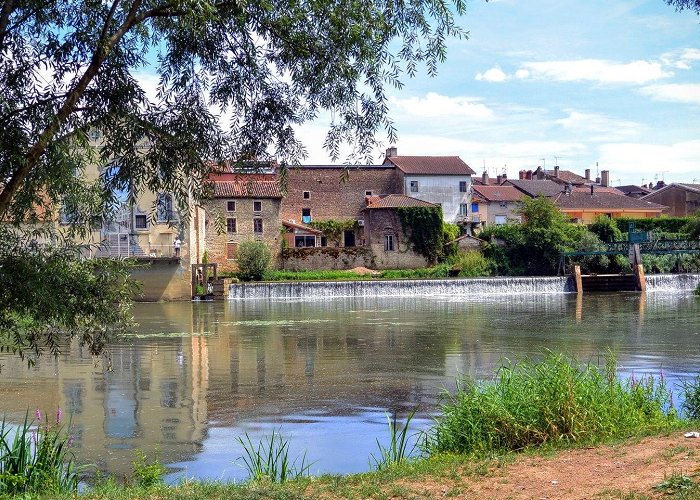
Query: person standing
x,y
177,244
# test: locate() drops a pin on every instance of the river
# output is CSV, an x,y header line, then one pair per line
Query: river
x,y
194,376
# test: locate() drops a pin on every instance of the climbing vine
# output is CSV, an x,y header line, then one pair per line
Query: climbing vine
x,y
334,229
423,228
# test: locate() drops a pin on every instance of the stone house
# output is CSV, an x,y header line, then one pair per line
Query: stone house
x,y
243,207
441,180
319,192
680,198
384,233
495,204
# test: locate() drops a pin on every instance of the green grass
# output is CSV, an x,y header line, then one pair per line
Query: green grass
x,y
439,271
269,459
397,451
555,402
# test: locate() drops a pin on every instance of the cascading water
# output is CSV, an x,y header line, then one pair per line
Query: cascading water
x,y
403,288
445,287
672,282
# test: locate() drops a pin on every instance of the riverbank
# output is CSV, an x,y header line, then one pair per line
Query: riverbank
x,y
644,467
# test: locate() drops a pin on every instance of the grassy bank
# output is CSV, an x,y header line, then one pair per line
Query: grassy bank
x,y
527,408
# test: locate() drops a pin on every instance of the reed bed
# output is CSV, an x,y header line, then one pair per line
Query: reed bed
x,y
557,401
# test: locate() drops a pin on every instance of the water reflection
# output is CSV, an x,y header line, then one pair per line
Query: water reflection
x,y
195,376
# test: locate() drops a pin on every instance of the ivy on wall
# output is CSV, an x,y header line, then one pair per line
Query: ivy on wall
x,y
334,229
423,228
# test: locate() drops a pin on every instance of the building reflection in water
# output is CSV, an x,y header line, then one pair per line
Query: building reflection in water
x,y
194,368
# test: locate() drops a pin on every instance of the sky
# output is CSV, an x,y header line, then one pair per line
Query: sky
x,y
612,83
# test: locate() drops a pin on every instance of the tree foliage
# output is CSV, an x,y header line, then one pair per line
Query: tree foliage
x,y
157,93
693,5
253,259
424,229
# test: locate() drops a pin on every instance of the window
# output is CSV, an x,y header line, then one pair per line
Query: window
x,y
414,186
304,241
164,208
230,206
257,225
231,250
307,195
230,225
462,186
388,242
305,215
257,206
368,193
503,204
463,209
475,208
140,221
501,219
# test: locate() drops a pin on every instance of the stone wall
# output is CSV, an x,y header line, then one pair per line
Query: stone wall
x,y
163,279
217,243
680,202
382,222
331,199
296,259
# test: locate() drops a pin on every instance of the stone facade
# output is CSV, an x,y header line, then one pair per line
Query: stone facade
x,y
393,253
222,246
296,259
681,199
320,190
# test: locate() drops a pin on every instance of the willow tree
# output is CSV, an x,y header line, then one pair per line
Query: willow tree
x,y
232,80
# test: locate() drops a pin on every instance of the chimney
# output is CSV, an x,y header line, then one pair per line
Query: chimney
x,y
605,178
556,171
392,151
485,178
504,176
540,174
521,175
588,174
597,180
499,179
528,175
591,189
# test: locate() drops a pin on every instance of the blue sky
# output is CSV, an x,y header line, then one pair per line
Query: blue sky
x,y
571,82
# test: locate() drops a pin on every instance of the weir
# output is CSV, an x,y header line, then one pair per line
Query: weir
x,y
474,287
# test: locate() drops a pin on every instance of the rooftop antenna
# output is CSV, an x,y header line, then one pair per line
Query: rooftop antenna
x,y
663,172
597,172
544,164
556,160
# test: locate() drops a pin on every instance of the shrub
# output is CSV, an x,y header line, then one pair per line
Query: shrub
x,y
253,260
606,229
553,401
691,396
471,264
656,224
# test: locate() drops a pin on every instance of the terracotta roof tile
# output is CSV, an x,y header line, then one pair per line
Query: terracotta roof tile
x,y
535,188
597,189
498,193
399,201
430,165
248,186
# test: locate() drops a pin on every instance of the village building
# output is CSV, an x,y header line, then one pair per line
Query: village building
x,y
634,191
533,188
584,207
495,204
243,207
441,180
680,198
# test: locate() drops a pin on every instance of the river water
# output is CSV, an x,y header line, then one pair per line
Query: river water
x,y
323,373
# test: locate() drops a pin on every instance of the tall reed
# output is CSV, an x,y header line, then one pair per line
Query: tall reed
x,y
269,460
553,401
398,449
35,458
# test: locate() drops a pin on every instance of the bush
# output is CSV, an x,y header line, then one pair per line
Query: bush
x,y
554,401
253,260
606,229
691,394
471,264
147,473
657,224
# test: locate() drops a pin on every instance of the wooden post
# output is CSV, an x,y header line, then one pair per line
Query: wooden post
x,y
641,280
577,279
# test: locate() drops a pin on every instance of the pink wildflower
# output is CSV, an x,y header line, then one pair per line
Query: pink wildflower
x,y
37,415
59,414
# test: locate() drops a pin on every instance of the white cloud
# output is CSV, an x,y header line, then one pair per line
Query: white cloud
x,y
598,127
595,70
494,74
674,92
435,105
522,74
676,162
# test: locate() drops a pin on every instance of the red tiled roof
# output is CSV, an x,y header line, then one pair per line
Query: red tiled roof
x,y
303,227
607,201
498,193
597,189
399,201
568,176
248,186
430,165
537,187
